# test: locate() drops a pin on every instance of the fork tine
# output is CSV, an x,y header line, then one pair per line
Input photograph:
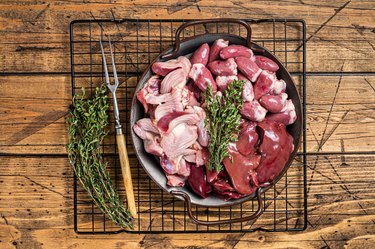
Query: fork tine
x,y
104,63
113,63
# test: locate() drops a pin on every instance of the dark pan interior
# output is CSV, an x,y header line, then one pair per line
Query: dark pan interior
x,y
151,164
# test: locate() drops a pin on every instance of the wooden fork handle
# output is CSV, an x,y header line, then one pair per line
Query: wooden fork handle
x,y
126,174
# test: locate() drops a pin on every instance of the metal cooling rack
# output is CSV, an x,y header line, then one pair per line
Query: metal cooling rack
x,y
136,43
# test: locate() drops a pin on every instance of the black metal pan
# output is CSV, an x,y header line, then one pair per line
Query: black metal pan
x,y
151,164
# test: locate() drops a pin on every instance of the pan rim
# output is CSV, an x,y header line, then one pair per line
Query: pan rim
x,y
297,139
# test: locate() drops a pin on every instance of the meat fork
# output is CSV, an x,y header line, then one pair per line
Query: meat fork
x,y
120,138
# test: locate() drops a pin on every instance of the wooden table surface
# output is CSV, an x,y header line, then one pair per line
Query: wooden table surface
x,y
36,206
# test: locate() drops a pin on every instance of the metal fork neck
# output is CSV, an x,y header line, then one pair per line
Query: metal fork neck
x,y
119,130
116,111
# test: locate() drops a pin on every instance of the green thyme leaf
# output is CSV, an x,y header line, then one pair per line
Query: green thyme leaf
x,y
222,121
87,122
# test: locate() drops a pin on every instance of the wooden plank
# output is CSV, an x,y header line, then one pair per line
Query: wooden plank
x,y
337,202
336,34
336,106
36,195
31,107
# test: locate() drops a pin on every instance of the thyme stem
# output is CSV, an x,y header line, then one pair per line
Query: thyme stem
x,y
222,121
87,122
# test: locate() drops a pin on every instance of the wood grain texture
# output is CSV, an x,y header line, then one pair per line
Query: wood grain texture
x,y
336,105
36,194
36,209
337,31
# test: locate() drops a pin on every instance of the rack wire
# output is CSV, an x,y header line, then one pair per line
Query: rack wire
x,y
136,43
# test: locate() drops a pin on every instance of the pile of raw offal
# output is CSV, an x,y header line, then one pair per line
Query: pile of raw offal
x,y
175,129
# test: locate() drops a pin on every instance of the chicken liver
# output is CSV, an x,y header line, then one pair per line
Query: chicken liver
x,y
275,148
239,169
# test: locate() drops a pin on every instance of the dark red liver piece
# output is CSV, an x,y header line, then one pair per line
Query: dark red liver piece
x,y
275,147
228,195
222,185
247,138
211,174
197,181
239,168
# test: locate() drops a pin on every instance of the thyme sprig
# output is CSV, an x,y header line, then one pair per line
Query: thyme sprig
x,y
87,122
222,121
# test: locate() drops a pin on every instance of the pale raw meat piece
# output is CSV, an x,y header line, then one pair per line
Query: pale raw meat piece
x,y
172,119
233,51
202,77
163,122
153,85
202,157
170,166
196,109
239,168
158,99
263,84
222,82
195,90
275,148
189,152
266,63
278,86
191,158
185,64
223,68
146,130
163,68
248,67
201,55
274,103
175,105
141,96
196,156
149,91
190,119
248,91
203,136
146,125
175,79
151,111
253,111
287,116
175,180
247,138
150,140
215,49
192,101
178,140
139,131
152,144
289,106
184,169
188,98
